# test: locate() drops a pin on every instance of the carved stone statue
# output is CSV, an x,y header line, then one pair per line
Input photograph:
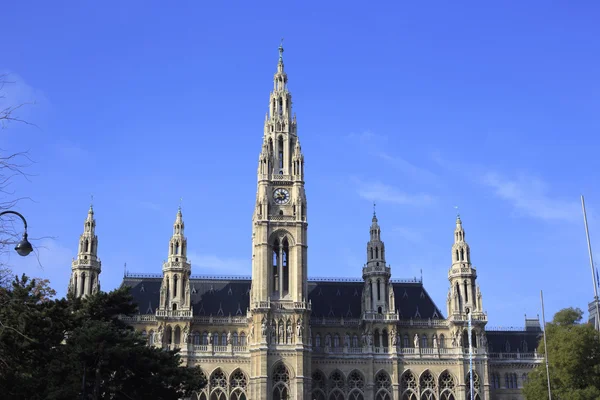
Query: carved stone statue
x,y
435,344
453,336
394,337
416,340
363,338
280,332
290,332
369,338
251,330
186,331
483,340
159,335
229,338
299,328
210,338
264,327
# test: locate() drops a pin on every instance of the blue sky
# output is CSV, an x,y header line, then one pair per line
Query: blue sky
x,y
419,107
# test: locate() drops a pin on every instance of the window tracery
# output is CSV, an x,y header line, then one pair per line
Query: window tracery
x,y
383,386
281,380
446,385
356,380
336,380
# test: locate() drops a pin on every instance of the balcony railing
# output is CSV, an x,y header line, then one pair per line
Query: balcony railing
x,y
516,356
174,313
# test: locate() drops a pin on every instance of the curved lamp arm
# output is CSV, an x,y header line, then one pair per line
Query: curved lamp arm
x,y
23,248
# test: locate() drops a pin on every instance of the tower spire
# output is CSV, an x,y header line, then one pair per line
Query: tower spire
x,y
175,290
86,268
464,293
376,274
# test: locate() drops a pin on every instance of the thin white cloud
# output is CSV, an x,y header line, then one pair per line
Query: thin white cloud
x,y
367,138
211,264
15,92
378,191
530,196
408,169
527,193
409,234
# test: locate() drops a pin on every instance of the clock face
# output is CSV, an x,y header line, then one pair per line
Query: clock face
x,y
281,196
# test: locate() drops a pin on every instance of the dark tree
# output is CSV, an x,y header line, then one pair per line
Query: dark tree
x,y
80,349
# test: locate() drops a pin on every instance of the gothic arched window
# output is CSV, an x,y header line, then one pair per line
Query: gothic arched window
x,y
281,382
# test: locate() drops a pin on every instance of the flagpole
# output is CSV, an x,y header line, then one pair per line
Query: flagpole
x,y
546,346
587,235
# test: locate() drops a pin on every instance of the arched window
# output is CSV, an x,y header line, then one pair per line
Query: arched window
x,y
238,384
466,292
151,338
286,269
409,386
275,276
223,339
378,289
383,386
242,339
234,339
318,340
82,292
356,385
424,341
175,281
406,343
205,338
336,341
281,382
476,386
446,386
355,341
525,347
319,387
442,343
371,253
196,338
376,252
428,386
218,385
280,151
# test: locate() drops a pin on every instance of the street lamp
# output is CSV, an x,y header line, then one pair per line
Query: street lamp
x,y
23,248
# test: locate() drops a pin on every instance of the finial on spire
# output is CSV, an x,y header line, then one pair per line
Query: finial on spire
x,y
457,213
180,201
281,51
374,210
125,270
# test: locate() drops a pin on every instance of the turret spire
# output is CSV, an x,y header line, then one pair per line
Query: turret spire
x,y
175,290
85,270
376,273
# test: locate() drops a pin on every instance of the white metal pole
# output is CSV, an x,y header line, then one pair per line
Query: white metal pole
x,y
470,358
545,346
587,235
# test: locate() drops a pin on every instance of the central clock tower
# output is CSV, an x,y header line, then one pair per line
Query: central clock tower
x,y
279,220
280,312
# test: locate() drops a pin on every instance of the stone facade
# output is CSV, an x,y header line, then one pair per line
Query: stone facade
x,y
280,335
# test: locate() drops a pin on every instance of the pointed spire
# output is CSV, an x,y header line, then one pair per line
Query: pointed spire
x,y
281,51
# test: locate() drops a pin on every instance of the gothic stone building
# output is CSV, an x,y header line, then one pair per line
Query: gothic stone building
x,y
279,335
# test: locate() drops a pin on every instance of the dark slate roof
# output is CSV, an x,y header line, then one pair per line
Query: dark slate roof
x,y
331,298
511,341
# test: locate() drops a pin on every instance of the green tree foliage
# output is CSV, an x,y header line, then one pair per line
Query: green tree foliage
x,y
80,349
574,359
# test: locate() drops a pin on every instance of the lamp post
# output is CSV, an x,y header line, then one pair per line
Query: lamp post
x,y
23,248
